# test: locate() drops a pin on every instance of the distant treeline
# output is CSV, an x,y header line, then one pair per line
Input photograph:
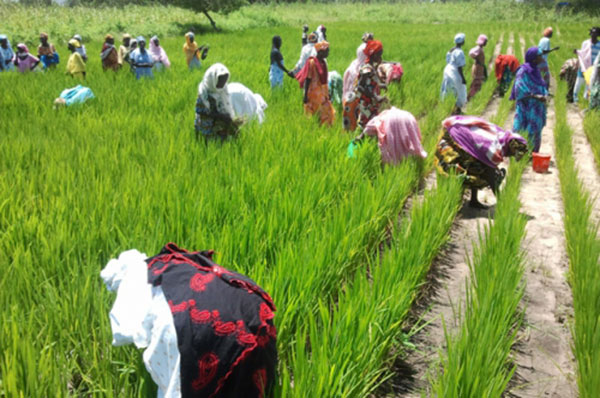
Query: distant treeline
x,y
226,6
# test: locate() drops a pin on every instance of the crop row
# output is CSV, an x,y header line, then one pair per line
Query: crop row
x,y
583,248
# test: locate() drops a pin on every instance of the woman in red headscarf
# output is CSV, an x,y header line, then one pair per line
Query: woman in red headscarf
x,y
369,86
313,80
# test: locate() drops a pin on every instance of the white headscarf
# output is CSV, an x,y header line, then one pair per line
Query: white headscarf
x,y
208,87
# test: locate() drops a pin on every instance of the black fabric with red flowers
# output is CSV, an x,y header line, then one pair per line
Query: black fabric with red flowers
x,y
224,324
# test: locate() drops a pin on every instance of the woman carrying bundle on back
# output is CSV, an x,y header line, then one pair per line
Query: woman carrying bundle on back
x,y
505,68
479,71
474,148
207,331
454,79
398,135
75,64
215,116
109,55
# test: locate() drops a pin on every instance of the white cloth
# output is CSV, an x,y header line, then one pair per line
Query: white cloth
x,y
320,34
308,51
452,82
351,74
208,87
81,50
246,103
141,315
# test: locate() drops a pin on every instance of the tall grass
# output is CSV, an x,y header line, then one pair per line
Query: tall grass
x,y
583,248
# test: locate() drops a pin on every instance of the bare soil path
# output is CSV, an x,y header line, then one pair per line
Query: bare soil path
x,y
545,365
523,48
584,158
445,296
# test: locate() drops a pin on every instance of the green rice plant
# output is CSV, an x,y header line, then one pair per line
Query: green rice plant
x,y
351,348
477,360
591,125
583,248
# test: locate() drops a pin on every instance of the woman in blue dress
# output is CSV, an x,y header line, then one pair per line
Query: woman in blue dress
x,y
142,60
530,92
277,69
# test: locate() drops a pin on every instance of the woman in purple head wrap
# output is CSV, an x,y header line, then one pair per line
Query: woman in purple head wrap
x,y
474,148
531,93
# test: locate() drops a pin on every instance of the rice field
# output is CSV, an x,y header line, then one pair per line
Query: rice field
x,y
332,239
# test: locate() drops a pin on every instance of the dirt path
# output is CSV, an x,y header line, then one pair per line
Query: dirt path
x,y
545,366
511,43
446,291
497,50
584,158
523,47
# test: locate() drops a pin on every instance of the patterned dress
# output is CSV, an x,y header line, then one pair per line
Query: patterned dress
x,y
479,70
209,124
48,55
450,156
531,113
568,73
367,91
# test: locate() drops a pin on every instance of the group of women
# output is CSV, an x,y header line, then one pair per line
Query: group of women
x,y
198,346
142,61
209,331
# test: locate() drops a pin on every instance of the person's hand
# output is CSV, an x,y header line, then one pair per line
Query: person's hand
x,y
291,74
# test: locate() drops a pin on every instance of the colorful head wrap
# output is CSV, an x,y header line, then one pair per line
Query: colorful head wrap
x,y
595,31
22,48
481,40
78,37
312,38
140,39
74,43
367,36
321,46
372,47
548,31
108,37
126,36
459,38
44,35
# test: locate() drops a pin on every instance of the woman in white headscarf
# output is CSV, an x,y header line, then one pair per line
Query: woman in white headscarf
x,y
349,84
215,117
454,79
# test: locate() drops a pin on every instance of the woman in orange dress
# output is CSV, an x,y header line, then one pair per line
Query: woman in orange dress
x,y
313,80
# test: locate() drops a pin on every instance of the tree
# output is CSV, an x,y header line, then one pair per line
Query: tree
x,y
206,6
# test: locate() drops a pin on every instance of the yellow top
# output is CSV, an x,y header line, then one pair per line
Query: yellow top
x,y
75,64
189,48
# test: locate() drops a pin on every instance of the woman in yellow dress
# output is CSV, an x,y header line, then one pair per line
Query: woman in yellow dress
x,y
75,65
